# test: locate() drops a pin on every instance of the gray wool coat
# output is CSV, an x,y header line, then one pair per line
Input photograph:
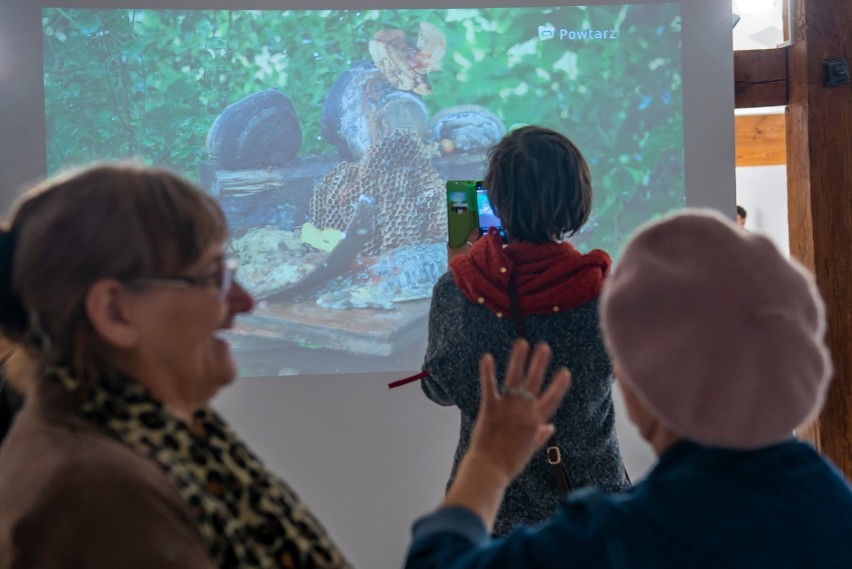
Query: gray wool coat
x,y
461,331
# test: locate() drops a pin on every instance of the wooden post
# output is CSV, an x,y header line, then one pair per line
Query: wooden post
x,y
819,168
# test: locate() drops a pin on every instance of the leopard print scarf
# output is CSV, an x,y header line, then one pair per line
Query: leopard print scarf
x,y
247,516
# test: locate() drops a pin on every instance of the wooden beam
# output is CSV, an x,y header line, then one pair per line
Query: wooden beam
x,y
761,140
760,78
819,174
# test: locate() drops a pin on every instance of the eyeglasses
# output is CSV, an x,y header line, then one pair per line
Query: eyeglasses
x,y
221,280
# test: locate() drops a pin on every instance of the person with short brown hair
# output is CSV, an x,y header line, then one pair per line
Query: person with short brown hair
x,y
539,184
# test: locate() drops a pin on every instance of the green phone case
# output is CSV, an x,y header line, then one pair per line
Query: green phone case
x,y
462,212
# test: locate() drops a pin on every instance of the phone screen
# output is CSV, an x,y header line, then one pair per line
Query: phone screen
x,y
487,217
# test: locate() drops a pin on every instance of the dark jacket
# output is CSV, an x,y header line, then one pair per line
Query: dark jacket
x,y
781,507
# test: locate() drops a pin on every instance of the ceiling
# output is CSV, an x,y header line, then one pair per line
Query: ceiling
x,y
758,30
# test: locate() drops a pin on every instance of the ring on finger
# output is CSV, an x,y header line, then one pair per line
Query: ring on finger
x,y
524,394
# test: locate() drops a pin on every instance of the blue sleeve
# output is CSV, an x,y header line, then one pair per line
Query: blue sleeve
x,y
454,538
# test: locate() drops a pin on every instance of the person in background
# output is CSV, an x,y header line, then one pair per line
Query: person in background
x,y
718,344
114,284
539,184
741,216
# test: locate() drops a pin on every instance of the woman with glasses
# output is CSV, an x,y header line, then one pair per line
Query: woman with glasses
x,y
115,286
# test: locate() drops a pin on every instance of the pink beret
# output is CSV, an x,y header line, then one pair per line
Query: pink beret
x,y
716,331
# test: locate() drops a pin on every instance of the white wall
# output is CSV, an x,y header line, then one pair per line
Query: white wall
x,y
366,459
762,191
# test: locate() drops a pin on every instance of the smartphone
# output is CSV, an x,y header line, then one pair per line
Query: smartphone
x,y
486,217
468,208
462,212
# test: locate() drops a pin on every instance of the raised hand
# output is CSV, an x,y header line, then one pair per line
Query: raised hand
x,y
510,427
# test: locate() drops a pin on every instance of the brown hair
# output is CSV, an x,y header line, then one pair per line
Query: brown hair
x,y
117,221
539,184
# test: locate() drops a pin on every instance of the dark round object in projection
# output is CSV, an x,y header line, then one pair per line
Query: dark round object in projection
x,y
258,131
362,107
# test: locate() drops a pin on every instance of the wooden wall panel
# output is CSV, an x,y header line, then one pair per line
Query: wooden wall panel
x,y
761,140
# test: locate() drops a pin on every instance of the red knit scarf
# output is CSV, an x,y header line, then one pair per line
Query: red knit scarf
x,y
549,277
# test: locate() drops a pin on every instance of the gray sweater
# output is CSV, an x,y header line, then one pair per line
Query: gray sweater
x,y
460,331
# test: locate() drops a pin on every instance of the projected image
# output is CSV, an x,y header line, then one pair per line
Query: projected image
x,y
328,137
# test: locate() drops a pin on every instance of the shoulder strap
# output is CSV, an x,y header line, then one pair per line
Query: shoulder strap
x,y
517,315
552,451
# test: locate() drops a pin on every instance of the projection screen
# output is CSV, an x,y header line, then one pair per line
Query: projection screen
x,y
328,135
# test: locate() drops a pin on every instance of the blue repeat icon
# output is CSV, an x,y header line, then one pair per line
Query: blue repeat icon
x,y
546,32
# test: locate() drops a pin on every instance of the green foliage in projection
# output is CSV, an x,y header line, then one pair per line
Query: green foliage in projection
x,y
149,84
621,105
